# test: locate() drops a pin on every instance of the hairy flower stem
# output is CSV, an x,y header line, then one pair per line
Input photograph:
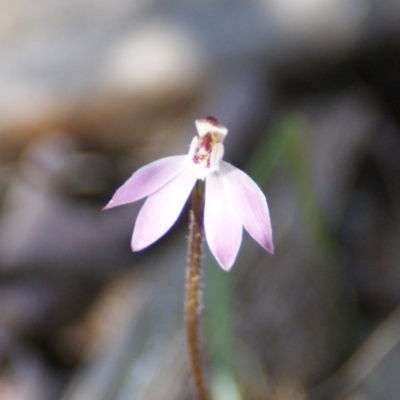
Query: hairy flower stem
x,y
193,288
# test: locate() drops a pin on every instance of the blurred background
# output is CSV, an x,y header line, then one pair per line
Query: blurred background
x,y
310,92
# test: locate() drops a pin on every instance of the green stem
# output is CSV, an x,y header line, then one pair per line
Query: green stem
x,y
193,288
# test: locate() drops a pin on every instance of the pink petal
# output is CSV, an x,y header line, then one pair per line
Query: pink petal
x,y
161,210
251,205
222,223
147,180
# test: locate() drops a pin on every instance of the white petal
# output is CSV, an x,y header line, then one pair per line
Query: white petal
x,y
161,210
251,205
222,223
211,124
147,180
216,156
192,148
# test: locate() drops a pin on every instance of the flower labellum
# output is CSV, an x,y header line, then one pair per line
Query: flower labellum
x,y
232,199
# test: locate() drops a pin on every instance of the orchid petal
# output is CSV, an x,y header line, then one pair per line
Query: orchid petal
x,y
192,148
216,156
211,124
222,223
147,180
162,209
251,205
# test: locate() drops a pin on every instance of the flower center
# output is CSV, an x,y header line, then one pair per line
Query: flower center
x,y
203,150
206,150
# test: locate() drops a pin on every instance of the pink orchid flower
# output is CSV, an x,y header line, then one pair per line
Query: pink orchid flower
x,y
232,199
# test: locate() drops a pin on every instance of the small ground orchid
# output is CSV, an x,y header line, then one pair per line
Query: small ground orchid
x,y
232,199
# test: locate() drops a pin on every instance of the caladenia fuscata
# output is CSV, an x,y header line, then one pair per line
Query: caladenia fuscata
x,y
224,200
